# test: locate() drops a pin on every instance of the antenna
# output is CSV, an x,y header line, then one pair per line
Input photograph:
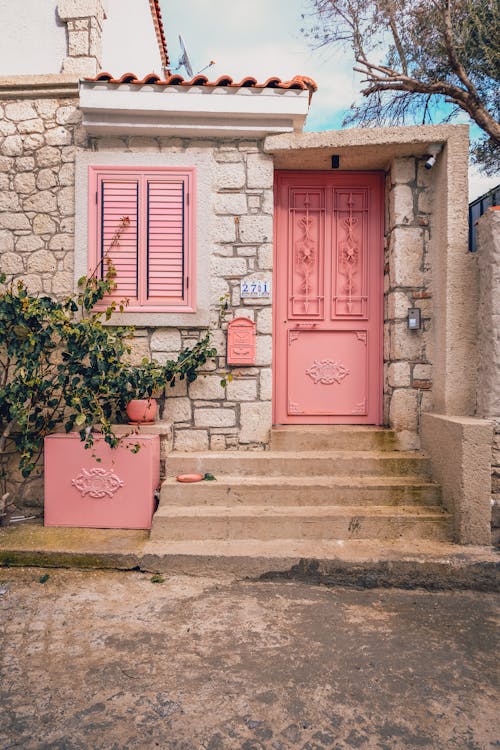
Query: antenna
x,y
184,59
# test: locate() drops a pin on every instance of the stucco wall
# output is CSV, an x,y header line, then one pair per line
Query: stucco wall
x,y
460,450
488,397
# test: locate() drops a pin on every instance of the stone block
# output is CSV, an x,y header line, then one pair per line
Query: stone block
x,y
403,170
218,443
80,66
43,224
218,288
265,258
28,243
265,320
260,171
256,422
41,261
13,221
178,389
139,350
62,283
12,146
422,372
24,182
207,387
78,43
9,201
61,242
230,203
228,267
42,202
405,344
398,374
31,126
256,228
266,384
224,229
46,179
19,111
403,413
405,256
214,417
11,264
32,142
230,176
6,241
66,201
6,163
177,409
7,128
264,350
25,164
33,283
48,156
191,440
397,305
68,115
166,340
70,9
401,205
241,390
58,136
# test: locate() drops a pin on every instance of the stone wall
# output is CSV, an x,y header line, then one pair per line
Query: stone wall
x,y
38,139
407,354
207,415
488,400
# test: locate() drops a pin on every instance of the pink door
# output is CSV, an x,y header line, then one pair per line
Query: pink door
x,y
328,312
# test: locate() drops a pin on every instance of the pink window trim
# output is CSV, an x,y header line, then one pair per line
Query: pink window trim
x,y
187,175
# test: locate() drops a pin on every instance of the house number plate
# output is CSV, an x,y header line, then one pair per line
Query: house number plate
x,y
255,288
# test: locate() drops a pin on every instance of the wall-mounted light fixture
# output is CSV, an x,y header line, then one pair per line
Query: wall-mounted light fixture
x,y
335,161
433,151
414,319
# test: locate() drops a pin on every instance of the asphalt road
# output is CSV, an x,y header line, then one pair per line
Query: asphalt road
x,y
113,661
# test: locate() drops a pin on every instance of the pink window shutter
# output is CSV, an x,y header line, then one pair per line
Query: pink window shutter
x,y
167,241
118,202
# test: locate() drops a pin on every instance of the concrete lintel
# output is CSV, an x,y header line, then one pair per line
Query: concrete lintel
x,y
460,453
358,148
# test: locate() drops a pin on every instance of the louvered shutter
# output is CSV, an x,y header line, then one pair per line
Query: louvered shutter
x,y
120,201
166,241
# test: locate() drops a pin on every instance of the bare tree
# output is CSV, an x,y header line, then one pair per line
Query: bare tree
x,y
440,57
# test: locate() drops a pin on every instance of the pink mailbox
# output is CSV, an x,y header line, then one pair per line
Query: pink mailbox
x,y
241,342
116,492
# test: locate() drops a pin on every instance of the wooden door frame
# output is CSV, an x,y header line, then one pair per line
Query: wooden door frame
x,y
380,204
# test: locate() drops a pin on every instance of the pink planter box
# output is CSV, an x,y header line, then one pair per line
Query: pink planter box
x,y
115,493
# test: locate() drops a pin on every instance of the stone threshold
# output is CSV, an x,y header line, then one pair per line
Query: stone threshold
x,y
360,563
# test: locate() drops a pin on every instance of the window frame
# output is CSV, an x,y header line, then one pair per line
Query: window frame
x,y
96,175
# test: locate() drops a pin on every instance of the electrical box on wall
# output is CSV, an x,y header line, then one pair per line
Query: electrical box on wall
x,y
241,342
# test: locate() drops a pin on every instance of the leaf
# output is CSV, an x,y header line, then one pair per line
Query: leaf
x,y
44,578
209,477
81,419
157,578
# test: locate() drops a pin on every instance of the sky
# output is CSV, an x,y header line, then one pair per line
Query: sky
x,y
256,38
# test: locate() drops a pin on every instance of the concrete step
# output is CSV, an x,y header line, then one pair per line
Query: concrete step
x,y
291,490
332,437
300,463
263,523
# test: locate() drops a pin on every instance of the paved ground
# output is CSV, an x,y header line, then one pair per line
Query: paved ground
x,y
112,661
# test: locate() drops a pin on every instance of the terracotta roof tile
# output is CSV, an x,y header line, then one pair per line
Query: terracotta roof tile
x,y
298,82
160,33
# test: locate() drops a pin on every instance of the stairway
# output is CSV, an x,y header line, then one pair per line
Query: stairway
x,y
315,483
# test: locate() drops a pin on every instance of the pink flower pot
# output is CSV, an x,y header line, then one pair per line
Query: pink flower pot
x,y
142,410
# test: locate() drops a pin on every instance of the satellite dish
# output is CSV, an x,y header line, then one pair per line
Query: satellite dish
x,y
184,59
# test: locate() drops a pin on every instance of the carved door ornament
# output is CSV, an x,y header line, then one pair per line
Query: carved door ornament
x,y
306,255
349,255
326,371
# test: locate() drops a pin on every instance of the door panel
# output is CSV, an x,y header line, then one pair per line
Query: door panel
x,y
329,298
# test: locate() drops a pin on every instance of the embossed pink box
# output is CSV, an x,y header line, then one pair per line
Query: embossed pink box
x,y
115,493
